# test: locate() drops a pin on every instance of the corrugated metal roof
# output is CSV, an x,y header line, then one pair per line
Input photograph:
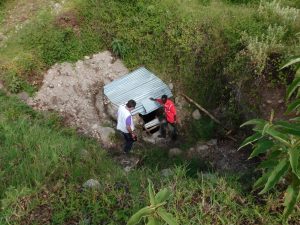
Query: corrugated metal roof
x,y
138,85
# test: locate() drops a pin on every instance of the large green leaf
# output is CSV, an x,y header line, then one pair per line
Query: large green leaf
x,y
268,164
272,160
291,196
262,180
261,147
294,154
250,139
293,87
296,60
153,221
151,192
146,211
291,128
162,195
275,175
254,122
294,106
296,119
281,137
167,217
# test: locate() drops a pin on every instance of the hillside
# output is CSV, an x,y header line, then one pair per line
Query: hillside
x,y
224,54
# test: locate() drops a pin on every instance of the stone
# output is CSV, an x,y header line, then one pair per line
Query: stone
x,y
173,152
50,86
24,96
106,135
167,172
202,148
269,101
91,184
212,142
127,169
196,114
171,86
280,101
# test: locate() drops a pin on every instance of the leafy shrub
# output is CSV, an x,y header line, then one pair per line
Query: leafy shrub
x,y
280,141
274,11
260,47
14,82
154,213
119,48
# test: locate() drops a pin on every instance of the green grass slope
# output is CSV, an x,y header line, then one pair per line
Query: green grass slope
x,y
43,167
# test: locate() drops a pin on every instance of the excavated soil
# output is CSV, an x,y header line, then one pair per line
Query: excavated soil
x,y
76,92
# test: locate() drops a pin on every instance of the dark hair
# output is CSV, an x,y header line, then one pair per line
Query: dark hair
x,y
131,103
164,97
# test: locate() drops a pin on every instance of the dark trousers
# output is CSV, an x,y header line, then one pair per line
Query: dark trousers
x,y
128,142
173,130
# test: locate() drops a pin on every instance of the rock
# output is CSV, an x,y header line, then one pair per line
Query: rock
x,y
280,101
50,86
212,142
127,169
167,172
149,139
171,86
196,114
92,184
111,111
106,135
202,148
269,101
173,152
86,57
24,96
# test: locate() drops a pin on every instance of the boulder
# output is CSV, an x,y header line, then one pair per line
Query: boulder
x,y
167,172
106,135
91,184
212,142
173,152
196,114
24,96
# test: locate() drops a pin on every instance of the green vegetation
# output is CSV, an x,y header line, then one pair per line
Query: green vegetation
x,y
154,213
219,52
280,141
44,165
203,43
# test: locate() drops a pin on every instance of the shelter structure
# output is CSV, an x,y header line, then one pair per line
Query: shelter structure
x,y
139,85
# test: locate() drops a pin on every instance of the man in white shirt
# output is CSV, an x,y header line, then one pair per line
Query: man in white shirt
x,y
125,124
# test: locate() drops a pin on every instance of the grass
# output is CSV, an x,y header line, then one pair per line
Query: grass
x,y
193,45
42,169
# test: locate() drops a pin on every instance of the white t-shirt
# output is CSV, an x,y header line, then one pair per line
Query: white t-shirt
x,y
123,114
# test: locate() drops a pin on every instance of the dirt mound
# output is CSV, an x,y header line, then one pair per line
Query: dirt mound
x,y
76,92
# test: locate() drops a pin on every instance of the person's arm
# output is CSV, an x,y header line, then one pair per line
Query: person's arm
x,y
173,111
157,100
128,127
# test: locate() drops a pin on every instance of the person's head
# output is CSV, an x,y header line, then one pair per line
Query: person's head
x,y
131,104
164,98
